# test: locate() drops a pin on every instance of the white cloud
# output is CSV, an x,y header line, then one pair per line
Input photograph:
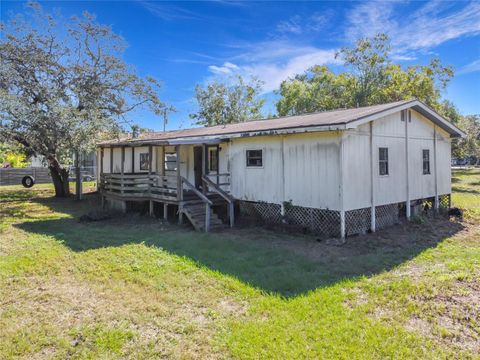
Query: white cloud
x,y
298,25
291,25
273,62
429,26
225,69
469,68
167,11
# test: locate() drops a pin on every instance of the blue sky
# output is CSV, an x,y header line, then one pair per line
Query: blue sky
x,y
188,43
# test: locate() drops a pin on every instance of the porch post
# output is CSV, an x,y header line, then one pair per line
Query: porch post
x,y
204,165
231,213
165,211
150,161
101,160
111,159
123,160
163,161
207,217
179,187
150,156
218,164
122,167
373,224
133,159
179,180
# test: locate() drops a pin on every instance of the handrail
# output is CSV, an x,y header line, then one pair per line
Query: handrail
x,y
195,191
216,189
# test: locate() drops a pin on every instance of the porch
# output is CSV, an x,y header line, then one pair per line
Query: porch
x,y
161,176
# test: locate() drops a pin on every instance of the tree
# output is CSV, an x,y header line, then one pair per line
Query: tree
x,y
60,91
369,78
224,103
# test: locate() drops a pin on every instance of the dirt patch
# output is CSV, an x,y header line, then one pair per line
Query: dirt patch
x,y
391,239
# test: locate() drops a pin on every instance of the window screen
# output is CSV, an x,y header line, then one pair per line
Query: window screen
x,y
254,158
212,160
426,161
170,161
383,161
144,161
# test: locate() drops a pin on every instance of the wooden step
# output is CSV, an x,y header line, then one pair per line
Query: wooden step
x,y
196,215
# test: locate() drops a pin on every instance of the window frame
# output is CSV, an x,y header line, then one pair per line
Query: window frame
x,y
426,161
142,162
247,157
383,161
166,162
213,151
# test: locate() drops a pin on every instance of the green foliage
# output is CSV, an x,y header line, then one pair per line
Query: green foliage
x,y
13,155
369,78
229,102
470,124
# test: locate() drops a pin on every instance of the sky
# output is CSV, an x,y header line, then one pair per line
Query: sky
x,y
186,43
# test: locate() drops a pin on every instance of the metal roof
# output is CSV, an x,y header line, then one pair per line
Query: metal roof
x,y
321,121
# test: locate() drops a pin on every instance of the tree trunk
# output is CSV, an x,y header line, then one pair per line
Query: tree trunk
x,y
59,177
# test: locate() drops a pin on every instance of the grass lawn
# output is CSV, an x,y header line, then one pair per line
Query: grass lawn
x,y
136,287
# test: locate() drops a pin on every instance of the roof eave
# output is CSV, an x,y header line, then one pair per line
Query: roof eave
x,y
216,138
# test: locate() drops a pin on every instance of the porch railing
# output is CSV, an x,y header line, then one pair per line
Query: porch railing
x,y
209,185
140,185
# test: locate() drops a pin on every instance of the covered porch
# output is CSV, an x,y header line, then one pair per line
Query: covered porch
x,y
189,177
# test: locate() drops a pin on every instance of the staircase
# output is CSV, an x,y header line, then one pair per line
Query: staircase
x,y
196,212
197,206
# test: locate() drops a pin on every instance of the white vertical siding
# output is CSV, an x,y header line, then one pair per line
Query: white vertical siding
x,y
308,176
389,132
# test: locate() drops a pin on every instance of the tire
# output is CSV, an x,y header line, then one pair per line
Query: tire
x,y
87,178
28,181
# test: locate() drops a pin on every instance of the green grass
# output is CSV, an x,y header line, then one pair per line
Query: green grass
x,y
135,287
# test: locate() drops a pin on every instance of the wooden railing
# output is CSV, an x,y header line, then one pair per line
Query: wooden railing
x,y
221,180
140,185
207,201
211,186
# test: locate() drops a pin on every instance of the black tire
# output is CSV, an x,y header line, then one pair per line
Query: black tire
x,y
28,181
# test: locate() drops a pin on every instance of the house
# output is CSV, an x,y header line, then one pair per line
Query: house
x,y
336,173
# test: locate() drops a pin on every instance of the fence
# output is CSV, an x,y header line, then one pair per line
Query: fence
x,y
14,176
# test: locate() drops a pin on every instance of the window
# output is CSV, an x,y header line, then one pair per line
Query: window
x,y
170,161
144,161
212,160
426,162
254,158
383,161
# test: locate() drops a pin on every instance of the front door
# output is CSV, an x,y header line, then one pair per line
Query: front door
x,y
198,165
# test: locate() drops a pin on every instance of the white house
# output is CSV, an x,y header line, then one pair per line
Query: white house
x,y
337,172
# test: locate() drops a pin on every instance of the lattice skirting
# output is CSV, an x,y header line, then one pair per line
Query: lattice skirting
x,y
357,221
270,213
387,215
318,221
327,222
444,201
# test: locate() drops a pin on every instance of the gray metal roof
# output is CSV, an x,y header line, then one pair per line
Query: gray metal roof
x,y
323,121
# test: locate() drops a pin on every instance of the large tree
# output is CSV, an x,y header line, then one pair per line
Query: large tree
x,y
63,84
234,100
369,78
